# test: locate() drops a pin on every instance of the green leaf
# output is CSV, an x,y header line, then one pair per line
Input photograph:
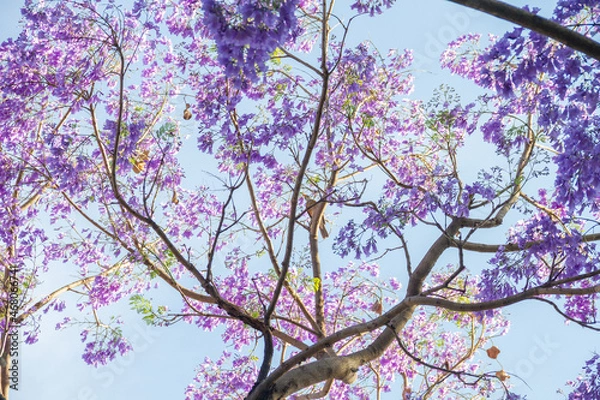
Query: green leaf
x,y
276,56
168,129
316,284
140,304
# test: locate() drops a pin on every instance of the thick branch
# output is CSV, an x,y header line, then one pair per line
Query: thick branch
x,y
429,260
341,368
493,248
499,303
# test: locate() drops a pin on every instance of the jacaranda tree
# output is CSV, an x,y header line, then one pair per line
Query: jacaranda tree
x,y
245,157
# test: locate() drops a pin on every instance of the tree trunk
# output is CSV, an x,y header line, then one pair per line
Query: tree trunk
x,y
342,368
5,362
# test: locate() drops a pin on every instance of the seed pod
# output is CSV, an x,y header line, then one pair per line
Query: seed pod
x,y
138,166
139,160
187,114
502,375
143,155
377,307
493,352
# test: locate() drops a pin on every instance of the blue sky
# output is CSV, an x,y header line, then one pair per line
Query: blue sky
x,y
539,348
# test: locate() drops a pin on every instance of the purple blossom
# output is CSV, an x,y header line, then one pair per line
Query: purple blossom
x,y
587,385
101,352
104,291
371,7
246,33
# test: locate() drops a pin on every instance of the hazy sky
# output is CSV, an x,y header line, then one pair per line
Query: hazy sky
x,y
539,347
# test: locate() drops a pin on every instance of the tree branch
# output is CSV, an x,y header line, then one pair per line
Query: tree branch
x,y
529,294
281,384
285,264
510,247
430,258
284,380
47,299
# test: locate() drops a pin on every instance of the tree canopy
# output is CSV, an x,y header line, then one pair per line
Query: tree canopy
x,y
289,190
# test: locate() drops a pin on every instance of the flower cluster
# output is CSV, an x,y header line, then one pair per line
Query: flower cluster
x,y
531,74
247,32
230,377
372,7
105,350
587,386
547,253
